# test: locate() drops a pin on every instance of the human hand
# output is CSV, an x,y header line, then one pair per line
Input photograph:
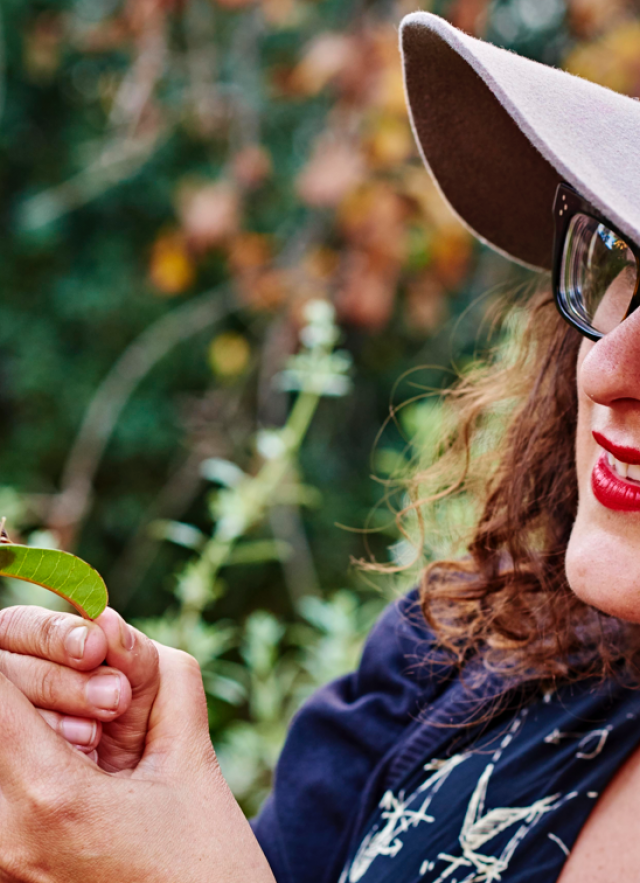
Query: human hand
x,y
172,818
56,659
133,654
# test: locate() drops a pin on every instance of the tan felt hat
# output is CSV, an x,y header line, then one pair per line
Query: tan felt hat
x,y
499,133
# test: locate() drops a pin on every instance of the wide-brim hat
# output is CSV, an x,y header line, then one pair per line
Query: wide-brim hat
x,y
499,133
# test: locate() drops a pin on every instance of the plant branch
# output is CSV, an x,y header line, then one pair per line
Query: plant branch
x,y
71,505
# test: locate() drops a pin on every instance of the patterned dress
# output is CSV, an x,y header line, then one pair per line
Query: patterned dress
x,y
509,805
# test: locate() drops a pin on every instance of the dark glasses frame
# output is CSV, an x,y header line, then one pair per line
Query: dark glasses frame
x,y
566,205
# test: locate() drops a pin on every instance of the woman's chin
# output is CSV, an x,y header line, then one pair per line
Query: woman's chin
x,y
603,567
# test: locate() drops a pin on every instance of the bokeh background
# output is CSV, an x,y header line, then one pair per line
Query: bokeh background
x,y
179,181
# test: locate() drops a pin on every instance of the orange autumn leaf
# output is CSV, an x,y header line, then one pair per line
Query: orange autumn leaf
x,y
379,54
171,268
425,304
321,263
451,251
470,16
389,92
389,141
589,18
430,204
264,290
367,293
249,252
374,218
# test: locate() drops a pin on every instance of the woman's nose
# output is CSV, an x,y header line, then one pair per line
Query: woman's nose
x,y
611,369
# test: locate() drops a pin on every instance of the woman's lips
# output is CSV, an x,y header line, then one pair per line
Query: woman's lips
x,y
613,491
621,452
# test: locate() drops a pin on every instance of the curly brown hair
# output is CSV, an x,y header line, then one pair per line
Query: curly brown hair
x,y
509,599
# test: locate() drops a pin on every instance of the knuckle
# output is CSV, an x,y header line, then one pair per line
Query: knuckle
x,y
11,622
43,803
50,632
188,663
31,629
49,687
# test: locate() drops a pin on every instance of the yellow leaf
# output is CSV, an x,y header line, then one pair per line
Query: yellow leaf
x,y
612,60
389,141
171,268
229,354
42,47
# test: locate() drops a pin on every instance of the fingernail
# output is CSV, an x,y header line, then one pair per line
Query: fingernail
x,y
78,731
76,640
103,691
127,637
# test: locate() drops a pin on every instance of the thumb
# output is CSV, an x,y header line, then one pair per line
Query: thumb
x,y
136,656
179,722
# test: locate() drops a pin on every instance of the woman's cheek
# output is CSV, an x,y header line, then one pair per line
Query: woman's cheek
x,y
602,562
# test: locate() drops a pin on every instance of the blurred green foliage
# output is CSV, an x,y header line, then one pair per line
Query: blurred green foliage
x,y
178,179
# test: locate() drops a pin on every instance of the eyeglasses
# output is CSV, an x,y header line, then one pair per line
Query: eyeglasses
x,y
596,269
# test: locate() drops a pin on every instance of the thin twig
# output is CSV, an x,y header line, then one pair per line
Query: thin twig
x,y
173,499
171,502
139,84
285,521
71,505
200,57
245,62
299,569
118,161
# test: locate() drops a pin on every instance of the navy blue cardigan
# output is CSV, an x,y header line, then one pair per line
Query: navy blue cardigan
x,y
355,738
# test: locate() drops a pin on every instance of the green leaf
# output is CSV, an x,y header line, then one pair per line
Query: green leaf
x,y
258,551
60,572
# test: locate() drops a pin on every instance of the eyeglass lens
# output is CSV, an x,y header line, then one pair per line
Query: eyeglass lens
x,y
599,274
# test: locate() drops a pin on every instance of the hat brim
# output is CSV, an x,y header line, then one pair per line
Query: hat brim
x,y
499,133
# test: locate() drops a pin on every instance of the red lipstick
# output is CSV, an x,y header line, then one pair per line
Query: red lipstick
x,y
620,452
613,491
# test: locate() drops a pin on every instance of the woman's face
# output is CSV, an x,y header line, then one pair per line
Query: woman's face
x,y
603,556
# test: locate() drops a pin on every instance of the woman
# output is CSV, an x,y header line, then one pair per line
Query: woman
x,y
410,769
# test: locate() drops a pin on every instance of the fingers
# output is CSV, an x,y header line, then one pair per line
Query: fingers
x,y
80,732
132,653
179,723
59,637
103,693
